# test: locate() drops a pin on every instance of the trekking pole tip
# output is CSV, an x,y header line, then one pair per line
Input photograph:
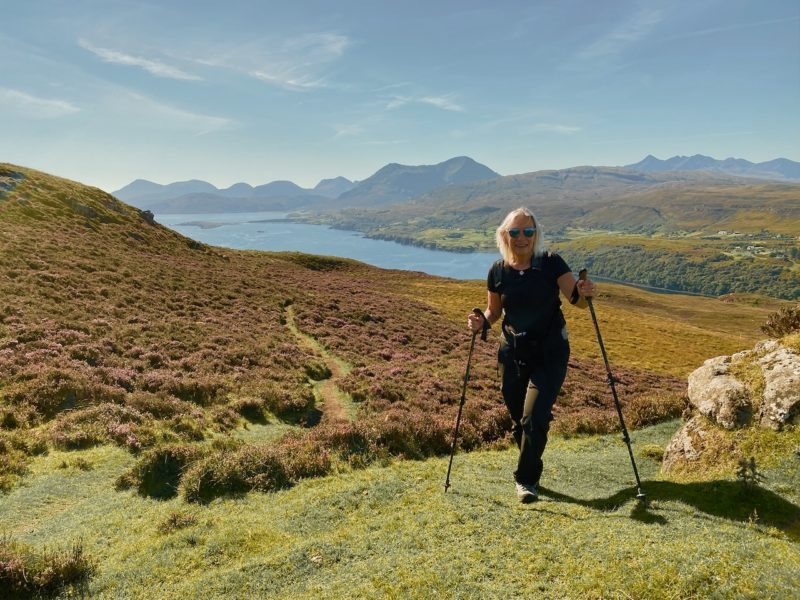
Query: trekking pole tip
x,y
640,495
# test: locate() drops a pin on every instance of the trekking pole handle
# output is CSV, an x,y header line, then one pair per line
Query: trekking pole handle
x,y
477,311
583,274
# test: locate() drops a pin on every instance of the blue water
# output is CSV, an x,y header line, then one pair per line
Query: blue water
x,y
249,231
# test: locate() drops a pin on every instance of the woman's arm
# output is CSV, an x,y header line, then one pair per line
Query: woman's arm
x,y
494,310
585,288
494,307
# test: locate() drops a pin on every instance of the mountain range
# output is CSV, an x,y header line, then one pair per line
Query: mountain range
x,y
779,168
396,183
200,196
392,183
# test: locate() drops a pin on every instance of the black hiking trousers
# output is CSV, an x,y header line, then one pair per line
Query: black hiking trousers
x,y
530,387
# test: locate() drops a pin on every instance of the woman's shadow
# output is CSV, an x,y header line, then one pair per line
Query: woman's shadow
x,y
726,499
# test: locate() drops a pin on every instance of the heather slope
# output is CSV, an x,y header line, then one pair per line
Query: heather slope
x,y
116,329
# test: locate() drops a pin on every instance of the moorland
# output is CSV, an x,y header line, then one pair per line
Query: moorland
x,y
180,420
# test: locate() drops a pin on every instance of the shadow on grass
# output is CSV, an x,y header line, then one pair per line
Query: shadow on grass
x,y
312,419
726,499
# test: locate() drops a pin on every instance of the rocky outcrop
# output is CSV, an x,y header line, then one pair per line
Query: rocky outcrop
x,y
686,444
780,403
770,399
718,395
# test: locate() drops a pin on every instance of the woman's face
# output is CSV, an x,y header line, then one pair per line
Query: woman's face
x,y
521,245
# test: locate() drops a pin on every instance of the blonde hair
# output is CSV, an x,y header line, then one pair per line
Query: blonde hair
x,y
501,235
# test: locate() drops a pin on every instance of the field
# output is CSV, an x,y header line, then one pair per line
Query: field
x,y
239,423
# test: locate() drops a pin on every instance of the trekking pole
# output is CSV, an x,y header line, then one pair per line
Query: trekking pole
x,y
476,311
640,495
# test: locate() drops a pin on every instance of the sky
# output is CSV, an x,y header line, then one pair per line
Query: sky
x,y
108,91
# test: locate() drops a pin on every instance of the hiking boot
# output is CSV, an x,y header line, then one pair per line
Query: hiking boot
x,y
526,492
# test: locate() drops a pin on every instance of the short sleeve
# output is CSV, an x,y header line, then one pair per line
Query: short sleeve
x,y
492,279
557,266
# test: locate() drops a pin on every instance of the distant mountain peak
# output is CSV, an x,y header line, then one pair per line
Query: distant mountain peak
x,y
395,182
333,188
779,168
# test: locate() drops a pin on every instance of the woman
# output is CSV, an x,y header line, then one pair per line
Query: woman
x,y
532,360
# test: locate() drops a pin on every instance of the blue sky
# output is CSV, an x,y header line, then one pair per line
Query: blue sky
x,y
108,91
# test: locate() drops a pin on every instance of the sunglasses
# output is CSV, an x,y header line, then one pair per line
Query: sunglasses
x,y
515,231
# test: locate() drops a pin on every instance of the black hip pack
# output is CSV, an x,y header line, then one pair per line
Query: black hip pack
x,y
523,347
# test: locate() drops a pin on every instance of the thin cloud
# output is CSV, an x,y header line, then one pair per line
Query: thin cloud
x,y
391,86
318,47
346,130
287,81
556,128
296,64
615,42
397,102
35,107
383,142
733,27
442,102
153,67
166,116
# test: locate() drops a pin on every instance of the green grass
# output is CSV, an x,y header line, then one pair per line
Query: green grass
x,y
391,532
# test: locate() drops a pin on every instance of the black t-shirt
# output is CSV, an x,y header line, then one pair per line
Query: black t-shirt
x,y
530,298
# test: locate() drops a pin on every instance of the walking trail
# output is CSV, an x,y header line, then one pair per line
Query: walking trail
x,y
335,404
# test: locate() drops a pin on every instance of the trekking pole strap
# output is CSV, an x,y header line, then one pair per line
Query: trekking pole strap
x,y
486,326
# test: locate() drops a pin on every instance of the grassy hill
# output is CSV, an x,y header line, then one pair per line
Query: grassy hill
x,y
151,386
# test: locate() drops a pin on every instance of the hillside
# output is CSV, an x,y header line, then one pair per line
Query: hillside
x,y
603,197
736,235
138,364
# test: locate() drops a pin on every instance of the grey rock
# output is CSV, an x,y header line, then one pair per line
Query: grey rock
x,y
685,445
718,395
780,404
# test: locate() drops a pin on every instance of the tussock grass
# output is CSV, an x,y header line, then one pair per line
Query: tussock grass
x,y
159,471
26,572
175,521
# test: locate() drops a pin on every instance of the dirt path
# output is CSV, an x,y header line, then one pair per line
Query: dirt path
x,y
335,404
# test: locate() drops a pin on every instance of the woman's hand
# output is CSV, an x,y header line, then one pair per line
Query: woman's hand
x,y
586,288
475,322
